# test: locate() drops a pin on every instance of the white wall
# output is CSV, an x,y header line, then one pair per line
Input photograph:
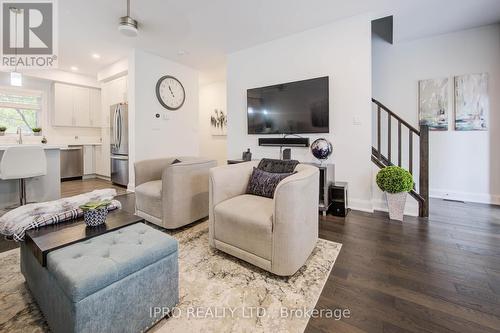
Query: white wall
x,y
342,51
212,96
175,133
54,134
463,165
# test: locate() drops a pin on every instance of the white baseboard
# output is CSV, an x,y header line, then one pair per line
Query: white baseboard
x,y
485,198
361,205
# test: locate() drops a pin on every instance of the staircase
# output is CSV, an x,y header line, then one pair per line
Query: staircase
x,y
405,148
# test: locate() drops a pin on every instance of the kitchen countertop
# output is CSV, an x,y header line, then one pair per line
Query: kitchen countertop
x,y
44,146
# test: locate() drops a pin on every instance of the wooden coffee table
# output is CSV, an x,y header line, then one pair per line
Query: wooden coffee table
x,y
52,237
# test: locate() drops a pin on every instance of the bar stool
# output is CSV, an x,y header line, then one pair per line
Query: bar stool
x,y
23,162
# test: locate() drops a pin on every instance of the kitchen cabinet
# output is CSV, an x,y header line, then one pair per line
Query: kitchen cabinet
x,y
81,107
63,105
76,106
88,160
95,108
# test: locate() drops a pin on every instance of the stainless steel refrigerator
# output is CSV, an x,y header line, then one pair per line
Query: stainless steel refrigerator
x,y
119,144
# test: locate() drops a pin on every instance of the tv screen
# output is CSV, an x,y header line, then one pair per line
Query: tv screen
x,y
299,107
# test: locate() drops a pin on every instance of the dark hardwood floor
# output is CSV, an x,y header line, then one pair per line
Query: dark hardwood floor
x,y
440,274
75,187
435,275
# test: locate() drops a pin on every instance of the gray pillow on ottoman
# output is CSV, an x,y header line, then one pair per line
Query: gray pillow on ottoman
x,y
263,183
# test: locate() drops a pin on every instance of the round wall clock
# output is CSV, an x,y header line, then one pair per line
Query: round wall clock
x,y
170,92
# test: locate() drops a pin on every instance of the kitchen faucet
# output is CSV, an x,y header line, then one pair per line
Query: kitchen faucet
x,y
19,135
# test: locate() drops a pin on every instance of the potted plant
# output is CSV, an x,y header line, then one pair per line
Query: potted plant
x,y
95,212
2,130
396,182
37,131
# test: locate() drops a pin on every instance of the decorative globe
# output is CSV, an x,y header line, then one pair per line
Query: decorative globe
x,y
321,149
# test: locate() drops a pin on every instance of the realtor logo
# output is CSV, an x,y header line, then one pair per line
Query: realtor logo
x,y
28,34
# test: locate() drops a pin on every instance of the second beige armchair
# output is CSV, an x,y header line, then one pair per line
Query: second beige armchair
x,y
172,195
276,234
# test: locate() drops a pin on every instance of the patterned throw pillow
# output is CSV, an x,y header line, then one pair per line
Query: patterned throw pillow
x,y
264,183
277,166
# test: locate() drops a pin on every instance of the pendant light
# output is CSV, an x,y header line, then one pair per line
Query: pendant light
x,y
16,78
128,26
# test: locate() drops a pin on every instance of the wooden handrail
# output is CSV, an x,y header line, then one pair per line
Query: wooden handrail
x,y
422,196
386,109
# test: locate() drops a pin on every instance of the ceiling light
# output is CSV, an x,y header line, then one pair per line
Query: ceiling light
x,y
16,79
96,56
74,68
182,52
127,25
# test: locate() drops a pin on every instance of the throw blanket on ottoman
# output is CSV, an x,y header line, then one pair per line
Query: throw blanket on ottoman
x,y
16,222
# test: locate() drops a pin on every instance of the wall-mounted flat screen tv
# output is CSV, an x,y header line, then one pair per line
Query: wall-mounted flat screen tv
x,y
299,107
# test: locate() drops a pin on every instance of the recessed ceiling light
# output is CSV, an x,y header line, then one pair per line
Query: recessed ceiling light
x,y
181,52
74,68
96,56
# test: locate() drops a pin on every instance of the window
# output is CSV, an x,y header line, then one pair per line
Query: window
x,y
19,108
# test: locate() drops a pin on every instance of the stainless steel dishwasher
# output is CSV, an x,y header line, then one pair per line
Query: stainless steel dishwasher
x,y
72,162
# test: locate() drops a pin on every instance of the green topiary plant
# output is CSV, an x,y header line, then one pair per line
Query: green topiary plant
x,y
393,179
36,129
3,128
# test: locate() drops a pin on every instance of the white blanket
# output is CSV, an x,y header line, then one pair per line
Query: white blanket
x,y
17,219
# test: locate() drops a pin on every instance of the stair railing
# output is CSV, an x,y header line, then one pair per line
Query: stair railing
x,y
422,134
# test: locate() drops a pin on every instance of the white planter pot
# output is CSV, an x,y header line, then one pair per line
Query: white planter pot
x,y
396,203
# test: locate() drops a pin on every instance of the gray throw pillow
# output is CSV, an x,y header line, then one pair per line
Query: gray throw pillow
x,y
277,166
263,183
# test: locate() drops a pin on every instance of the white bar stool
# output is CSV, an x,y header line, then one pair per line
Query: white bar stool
x,y
23,162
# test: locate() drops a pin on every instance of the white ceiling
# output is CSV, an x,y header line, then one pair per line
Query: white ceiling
x,y
209,29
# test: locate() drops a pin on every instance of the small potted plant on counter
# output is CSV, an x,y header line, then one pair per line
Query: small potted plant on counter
x,y
95,212
396,182
37,131
2,130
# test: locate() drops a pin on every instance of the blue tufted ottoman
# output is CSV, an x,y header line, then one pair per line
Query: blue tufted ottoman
x,y
109,283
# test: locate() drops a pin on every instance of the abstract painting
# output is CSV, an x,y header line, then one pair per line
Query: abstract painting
x,y
433,103
471,102
218,123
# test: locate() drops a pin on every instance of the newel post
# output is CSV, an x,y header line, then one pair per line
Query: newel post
x,y
424,170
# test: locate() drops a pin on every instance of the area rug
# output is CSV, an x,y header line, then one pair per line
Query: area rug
x,y
218,293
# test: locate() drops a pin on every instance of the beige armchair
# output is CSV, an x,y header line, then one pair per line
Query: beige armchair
x,y
277,234
172,195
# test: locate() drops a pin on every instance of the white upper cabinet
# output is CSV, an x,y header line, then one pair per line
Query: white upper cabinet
x,y
118,90
76,106
63,105
81,107
95,108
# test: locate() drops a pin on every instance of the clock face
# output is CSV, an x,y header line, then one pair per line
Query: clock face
x,y
170,92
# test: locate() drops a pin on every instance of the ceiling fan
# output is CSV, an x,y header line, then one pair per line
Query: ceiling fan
x,y
128,26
